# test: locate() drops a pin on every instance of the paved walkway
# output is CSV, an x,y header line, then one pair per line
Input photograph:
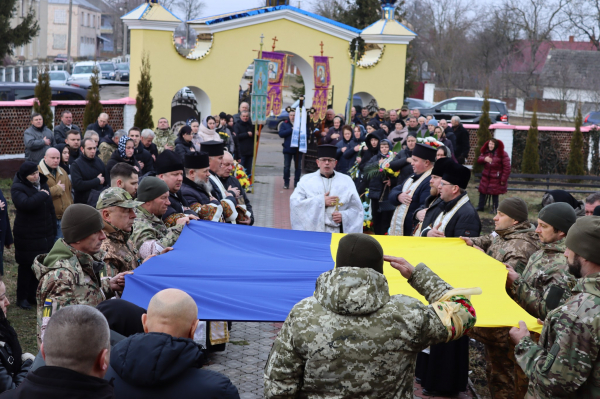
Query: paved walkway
x,y
250,343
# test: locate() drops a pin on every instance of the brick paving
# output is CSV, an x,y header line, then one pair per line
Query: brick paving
x,y
250,343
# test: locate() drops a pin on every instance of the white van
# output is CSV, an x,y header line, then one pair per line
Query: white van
x,y
84,70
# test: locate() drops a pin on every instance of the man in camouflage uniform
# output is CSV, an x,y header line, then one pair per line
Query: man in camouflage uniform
x,y
72,272
512,243
351,339
108,145
546,283
150,235
117,209
566,363
164,138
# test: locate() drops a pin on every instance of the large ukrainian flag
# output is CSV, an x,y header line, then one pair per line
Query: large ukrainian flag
x,y
243,273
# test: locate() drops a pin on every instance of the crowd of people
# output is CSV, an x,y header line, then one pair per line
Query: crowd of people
x,y
93,206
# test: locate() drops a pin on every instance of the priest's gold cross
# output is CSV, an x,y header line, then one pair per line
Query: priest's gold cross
x,y
337,204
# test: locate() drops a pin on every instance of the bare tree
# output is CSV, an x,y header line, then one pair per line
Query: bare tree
x,y
537,21
189,9
584,17
328,8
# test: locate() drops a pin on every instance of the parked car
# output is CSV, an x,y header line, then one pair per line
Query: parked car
x,y
413,103
25,91
591,118
122,72
468,109
57,77
107,70
249,74
62,58
83,70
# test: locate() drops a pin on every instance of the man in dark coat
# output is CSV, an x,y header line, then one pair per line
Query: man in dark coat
x,y
73,141
66,124
101,126
34,228
458,218
379,118
165,362
76,348
6,237
244,132
141,154
225,177
462,140
196,189
290,153
88,172
409,195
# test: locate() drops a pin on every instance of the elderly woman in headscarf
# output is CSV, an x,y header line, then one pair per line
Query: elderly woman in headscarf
x,y
208,130
123,153
183,143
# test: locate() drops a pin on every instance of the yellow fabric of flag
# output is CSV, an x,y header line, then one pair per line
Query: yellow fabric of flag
x,y
460,266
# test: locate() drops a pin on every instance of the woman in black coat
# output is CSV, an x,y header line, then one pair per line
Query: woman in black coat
x,y
345,155
65,153
403,161
34,229
14,364
379,188
123,153
183,143
6,237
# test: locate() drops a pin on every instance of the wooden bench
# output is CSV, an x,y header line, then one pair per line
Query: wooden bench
x,y
550,182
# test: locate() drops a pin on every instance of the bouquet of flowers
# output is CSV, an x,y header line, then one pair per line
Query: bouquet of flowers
x,y
382,168
225,137
240,173
367,217
430,141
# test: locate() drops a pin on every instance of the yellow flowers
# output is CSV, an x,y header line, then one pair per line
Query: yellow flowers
x,y
240,174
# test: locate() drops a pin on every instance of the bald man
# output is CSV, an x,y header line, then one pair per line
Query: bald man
x,y
59,183
165,361
245,214
101,126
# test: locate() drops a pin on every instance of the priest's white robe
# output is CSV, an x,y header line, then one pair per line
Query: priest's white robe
x,y
307,204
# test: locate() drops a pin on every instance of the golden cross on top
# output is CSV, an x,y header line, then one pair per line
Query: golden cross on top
x,y
337,204
274,40
321,48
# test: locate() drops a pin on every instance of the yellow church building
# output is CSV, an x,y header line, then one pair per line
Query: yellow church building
x,y
226,44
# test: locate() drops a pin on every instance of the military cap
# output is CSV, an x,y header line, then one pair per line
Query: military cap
x,y
583,238
151,188
404,108
514,207
80,221
360,250
116,196
559,215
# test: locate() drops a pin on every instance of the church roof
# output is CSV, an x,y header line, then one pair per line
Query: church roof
x,y
387,27
151,12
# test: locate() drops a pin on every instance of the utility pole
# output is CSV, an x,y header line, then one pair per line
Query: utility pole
x,y
124,36
69,37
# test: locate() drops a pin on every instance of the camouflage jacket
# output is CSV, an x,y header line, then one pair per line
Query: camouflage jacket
x,y
106,150
351,339
546,283
566,361
148,227
121,256
68,277
513,246
163,138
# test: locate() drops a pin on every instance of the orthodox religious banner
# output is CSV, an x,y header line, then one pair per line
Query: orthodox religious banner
x,y
276,73
264,278
322,82
258,110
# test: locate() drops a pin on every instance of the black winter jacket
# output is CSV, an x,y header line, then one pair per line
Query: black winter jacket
x,y
462,143
400,163
84,177
182,148
51,382
106,131
157,365
246,142
346,159
194,194
35,223
60,132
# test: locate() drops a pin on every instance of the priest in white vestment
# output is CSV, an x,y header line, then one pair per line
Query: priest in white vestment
x,y
325,200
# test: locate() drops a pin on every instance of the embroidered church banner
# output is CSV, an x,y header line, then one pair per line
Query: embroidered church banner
x,y
322,81
260,86
244,273
276,72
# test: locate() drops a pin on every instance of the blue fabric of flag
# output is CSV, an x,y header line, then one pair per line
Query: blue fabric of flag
x,y
236,272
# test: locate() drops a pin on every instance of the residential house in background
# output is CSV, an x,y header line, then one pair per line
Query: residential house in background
x,y
85,28
38,46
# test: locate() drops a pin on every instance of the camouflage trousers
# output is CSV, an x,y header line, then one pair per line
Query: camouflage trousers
x,y
505,378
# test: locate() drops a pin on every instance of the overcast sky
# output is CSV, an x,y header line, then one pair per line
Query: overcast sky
x,y
216,7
